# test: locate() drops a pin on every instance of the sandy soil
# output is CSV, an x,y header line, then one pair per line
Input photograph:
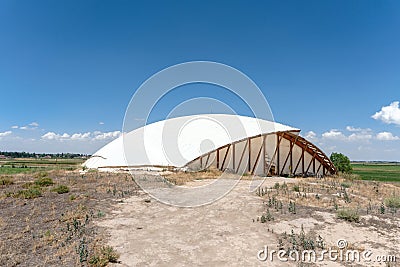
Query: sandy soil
x,y
226,233
220,234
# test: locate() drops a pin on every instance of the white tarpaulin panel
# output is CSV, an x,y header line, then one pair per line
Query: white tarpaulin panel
x,y
177,141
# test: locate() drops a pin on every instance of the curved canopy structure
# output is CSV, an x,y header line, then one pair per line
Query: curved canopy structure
x,y
227,142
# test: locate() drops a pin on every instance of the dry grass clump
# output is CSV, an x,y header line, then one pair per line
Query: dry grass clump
x,y
44,181
6,180
349,215
29,193
103,256
61,189
393,202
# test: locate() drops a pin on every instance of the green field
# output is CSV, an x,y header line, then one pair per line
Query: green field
x,y
377,171
30,165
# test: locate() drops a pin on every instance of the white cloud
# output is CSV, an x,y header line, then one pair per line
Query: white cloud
x,y
359,137
80,136
386,136
389,114
14,127
105,136
334,134
51,136
88,136
30,126
101,123
65,135
5,133
357,134
311,135
354,129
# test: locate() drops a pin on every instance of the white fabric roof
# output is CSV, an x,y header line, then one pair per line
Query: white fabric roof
x,y
177,141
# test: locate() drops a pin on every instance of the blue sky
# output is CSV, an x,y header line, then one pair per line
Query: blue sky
x,y
326,67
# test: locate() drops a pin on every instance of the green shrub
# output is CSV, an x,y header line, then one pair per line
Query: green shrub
x,y
393,202
106,254
31,192
44,181
61,189
348,215
276,186
109,254
341,162
100,214
296,188
284,186
96,261
345,185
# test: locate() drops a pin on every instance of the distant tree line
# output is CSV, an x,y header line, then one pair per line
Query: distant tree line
x,y
42,155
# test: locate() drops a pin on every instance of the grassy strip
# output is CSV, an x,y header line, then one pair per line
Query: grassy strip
x,y
378,172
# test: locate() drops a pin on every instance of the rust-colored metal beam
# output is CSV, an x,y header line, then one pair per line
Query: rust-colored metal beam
x,y
249,159
218,159
278,136
233,156
302,161
208,157
313,165
241,157
311,161
264,151
226,155
273,157
258,157
292,143
319,167
306,146
298,162
311,149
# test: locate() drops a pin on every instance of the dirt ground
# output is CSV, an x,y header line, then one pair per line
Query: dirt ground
x,y
53,229
105,218
228,233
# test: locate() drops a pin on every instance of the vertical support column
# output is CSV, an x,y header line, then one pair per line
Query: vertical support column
x,y
302,160
218,159
277,156
313,165
225,156
291,157
201,162
249,161
233,157
264,151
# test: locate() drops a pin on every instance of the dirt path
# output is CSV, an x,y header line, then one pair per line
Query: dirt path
x,y
219,234
148,233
